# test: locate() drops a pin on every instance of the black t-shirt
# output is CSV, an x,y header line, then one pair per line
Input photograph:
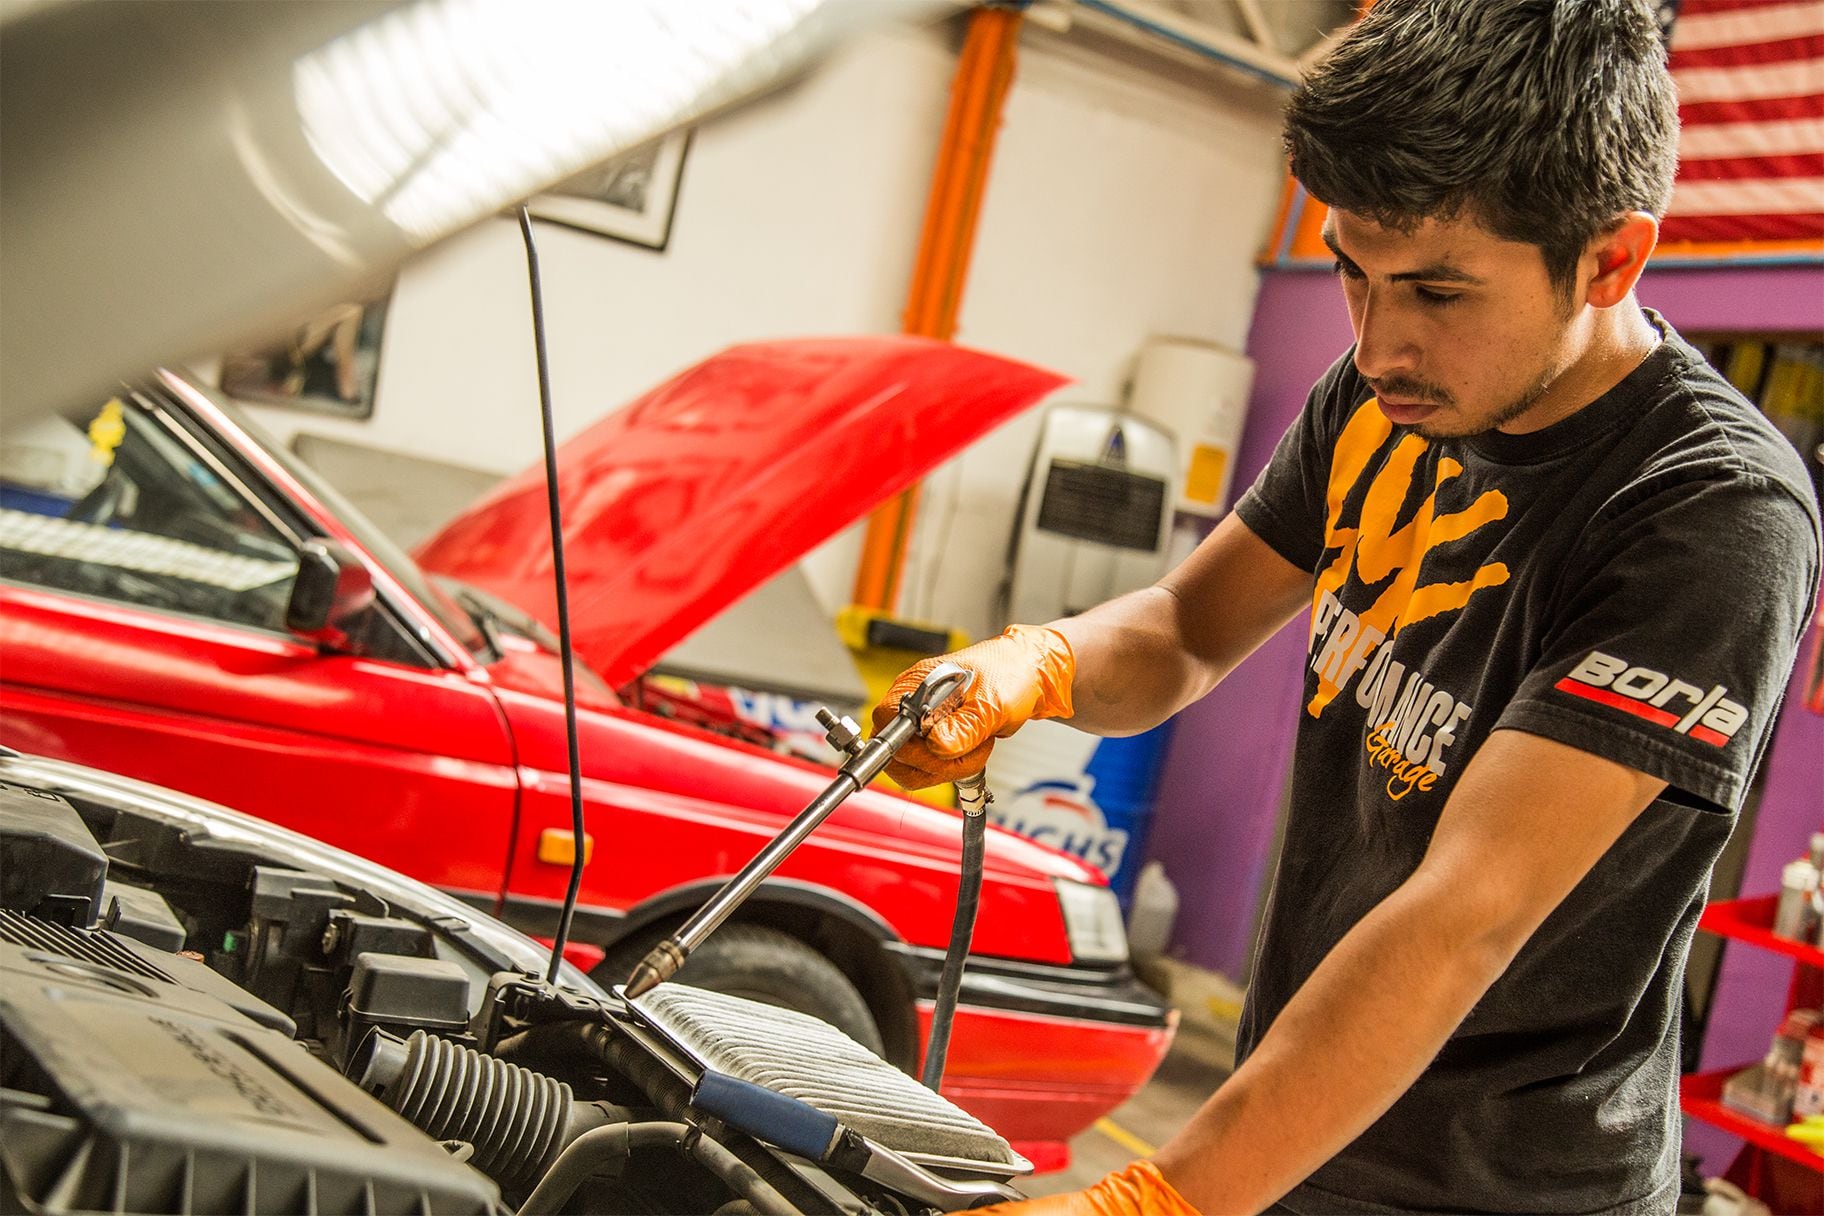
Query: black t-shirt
x,y
1632,581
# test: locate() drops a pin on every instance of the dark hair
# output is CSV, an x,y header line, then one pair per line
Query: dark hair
x,y
1543,120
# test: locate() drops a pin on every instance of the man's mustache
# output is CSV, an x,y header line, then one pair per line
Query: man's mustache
x,y
1405,389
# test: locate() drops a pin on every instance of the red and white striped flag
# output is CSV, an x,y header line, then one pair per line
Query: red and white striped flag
x,y
1750,77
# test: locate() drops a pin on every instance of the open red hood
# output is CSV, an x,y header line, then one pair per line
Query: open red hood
x,y
684,500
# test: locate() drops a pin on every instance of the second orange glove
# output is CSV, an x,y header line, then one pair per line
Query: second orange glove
x,y
1138,1190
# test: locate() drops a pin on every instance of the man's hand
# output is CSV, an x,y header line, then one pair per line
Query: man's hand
x,y
1025,673
1137,1190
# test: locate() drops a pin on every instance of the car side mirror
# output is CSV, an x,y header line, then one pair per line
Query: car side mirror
x,y
332,589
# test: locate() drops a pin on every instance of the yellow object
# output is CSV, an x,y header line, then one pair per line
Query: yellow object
x,y
1138,1190
1204,481
1746,362
1809,1131
1223,1009
1126,1139
1025,673
861,630
558,847
107,431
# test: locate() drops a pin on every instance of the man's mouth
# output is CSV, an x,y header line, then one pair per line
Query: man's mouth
x,y
1405,413
1408,404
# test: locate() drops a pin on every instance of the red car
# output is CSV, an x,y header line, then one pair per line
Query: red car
x,y
182,602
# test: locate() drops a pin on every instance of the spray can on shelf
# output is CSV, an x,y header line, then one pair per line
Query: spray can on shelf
x,y
1816,858
1795,916
1808,1096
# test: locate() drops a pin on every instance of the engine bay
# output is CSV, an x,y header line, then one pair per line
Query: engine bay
x,y
203,1013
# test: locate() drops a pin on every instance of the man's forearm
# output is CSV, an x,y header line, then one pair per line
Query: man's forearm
x,y
1133,669
1143,657
1382,1004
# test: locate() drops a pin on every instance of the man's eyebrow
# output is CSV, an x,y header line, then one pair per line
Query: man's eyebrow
x,y
1435,272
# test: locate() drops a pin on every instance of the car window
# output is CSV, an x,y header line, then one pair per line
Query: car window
x,y
378,544
107,502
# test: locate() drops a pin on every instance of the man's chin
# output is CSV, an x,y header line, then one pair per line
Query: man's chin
x,y
1434,431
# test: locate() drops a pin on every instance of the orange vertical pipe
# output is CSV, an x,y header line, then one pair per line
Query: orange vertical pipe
x,y
978,92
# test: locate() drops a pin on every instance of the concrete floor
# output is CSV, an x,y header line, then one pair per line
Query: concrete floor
x,y
1199,1061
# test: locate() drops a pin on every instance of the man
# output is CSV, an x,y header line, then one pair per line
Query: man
x,y
1557,570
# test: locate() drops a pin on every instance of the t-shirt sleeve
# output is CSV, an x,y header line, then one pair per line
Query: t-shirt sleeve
x,y
1285,505
1674,633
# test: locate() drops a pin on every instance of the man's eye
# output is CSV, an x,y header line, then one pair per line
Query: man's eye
x,y
1438,297
1347,270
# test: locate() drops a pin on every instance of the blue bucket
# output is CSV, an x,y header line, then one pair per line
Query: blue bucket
x,y
1126,773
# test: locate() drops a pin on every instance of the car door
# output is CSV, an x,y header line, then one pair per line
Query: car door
x,y
145,571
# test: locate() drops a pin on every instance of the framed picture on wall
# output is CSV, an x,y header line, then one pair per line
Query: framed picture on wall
x,y
328,365
630,198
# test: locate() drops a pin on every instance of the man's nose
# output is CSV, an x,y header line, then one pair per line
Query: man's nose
x,y
1383,345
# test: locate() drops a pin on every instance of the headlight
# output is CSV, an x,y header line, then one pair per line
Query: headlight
x,y
1092,919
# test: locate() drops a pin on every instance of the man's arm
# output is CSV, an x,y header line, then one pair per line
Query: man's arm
x,y
1528,819
1120,668
1143,657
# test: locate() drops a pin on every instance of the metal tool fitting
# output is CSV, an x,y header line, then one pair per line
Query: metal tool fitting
x,y
864,763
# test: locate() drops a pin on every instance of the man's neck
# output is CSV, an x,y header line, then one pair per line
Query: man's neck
x,y
1605,345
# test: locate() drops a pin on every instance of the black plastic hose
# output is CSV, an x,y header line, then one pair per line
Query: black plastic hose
x,y
592,1152
962,931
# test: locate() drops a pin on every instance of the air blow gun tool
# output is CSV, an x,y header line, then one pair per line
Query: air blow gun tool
x,y
865,761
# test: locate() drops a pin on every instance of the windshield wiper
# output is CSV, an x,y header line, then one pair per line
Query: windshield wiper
x,y
485,618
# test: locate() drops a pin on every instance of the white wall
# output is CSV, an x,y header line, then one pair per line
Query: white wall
x,y
1120,205
1123,204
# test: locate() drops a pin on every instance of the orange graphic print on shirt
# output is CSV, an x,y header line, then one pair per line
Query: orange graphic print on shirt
x,y
1373,550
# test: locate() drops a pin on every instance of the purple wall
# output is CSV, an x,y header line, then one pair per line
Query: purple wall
x,y
1225,770
1751,987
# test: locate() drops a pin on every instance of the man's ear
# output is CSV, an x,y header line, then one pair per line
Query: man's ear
x,y
1615,259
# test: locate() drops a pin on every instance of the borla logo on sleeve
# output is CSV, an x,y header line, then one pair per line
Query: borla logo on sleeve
x,y
1666,700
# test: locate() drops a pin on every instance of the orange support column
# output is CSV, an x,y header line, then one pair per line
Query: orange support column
x,y
978,93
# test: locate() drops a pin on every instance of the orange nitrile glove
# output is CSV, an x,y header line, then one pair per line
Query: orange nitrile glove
x,y
1138,1190
1023,674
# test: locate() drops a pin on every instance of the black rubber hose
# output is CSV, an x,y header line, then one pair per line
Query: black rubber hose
x,y
591,1152
515,1118
962,931
740,1177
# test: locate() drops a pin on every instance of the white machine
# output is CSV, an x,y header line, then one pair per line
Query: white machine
x,y
1199,393
1095,515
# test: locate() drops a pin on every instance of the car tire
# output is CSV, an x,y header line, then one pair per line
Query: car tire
x,y
765,965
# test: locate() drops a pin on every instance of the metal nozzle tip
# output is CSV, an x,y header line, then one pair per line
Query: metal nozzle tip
x,y
644,979
660,964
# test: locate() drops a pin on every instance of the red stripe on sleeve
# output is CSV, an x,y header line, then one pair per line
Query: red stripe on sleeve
x,y
1709,736
1603,696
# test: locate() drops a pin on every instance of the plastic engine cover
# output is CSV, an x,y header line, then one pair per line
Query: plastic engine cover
x,y
123,1089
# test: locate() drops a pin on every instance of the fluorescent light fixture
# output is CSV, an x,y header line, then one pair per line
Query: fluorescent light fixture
x,y
438,111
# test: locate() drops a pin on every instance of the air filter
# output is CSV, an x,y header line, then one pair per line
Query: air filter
x,y
797,1055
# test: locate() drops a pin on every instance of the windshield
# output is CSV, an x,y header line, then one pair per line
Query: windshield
x,y
106,502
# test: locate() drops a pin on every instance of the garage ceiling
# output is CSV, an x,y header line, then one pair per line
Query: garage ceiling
x,y
1274,39
1293,26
